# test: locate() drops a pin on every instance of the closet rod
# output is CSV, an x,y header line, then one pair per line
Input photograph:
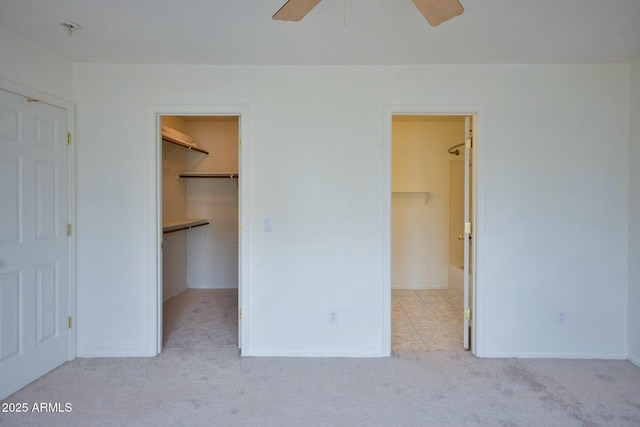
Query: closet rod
x,y
207,175
186,227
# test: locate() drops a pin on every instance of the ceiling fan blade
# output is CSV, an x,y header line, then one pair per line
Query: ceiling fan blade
x,y
439,11
295,10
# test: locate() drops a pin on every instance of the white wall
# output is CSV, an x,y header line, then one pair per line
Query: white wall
x,y
553,212
420,230
634,214
27,64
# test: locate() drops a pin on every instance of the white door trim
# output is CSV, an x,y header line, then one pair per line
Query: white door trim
x,y
154,231
64,104
478,191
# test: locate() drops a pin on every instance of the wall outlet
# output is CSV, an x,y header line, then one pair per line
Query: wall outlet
x,y
332,316
561,317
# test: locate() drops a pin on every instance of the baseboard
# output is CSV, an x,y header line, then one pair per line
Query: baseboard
x,y
528,355
634,360
177,292
108,354
210,286
336,354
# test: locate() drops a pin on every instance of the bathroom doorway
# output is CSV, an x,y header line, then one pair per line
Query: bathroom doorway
x,y
430,232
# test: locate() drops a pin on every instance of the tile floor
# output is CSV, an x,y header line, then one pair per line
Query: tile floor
x,y
427,320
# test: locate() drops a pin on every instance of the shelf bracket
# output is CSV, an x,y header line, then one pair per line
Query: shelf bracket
x,y
412,194
168,156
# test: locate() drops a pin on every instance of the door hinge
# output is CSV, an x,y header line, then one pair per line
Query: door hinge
x,y
467,313
467,227
468,143
240,142
69,229
240,227
70,322
240,314
68,138
33,100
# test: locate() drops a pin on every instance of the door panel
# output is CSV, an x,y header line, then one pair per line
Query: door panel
x,y
46,314
46,132
46,203
11,196
34,247
10,124
10,315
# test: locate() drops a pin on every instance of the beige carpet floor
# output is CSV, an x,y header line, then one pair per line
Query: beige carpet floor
x,y
199,318
196,384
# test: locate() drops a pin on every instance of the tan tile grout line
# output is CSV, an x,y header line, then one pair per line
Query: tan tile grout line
x,y
406,315
413,324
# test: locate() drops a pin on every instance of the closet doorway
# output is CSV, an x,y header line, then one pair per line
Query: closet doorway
x,y
201,260
430,232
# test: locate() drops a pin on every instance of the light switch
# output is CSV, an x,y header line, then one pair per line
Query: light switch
x,y
268,226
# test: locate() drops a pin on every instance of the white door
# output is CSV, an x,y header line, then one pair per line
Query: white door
x,y
467,227
34,286
240,177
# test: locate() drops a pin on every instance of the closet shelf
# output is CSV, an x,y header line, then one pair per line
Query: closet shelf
x,y
208,175
184,145
411,194
182,224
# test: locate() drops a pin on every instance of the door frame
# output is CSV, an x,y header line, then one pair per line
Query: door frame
x,y
477,191
69,107
155,295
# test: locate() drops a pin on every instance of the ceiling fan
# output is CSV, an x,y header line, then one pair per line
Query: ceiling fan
x,y
435,11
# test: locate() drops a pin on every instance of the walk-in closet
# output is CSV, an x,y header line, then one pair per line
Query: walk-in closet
x,y
200,211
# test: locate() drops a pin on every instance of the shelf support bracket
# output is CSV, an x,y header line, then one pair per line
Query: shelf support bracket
x,y
168,156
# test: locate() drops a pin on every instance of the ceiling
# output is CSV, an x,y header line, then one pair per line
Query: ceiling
x,y
377,32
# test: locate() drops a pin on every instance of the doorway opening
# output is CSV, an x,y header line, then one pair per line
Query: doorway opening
x,y
200,195
430,213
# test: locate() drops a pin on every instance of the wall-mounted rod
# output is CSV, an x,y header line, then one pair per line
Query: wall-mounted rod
x,y
185,227
207,175
453,150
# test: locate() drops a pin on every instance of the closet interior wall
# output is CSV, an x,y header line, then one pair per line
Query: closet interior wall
x,y
174,207
205,257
